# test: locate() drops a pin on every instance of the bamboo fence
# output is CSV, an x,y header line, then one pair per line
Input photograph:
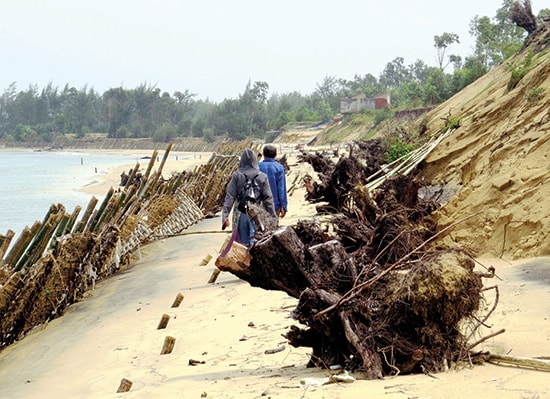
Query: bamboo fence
x,y
53,263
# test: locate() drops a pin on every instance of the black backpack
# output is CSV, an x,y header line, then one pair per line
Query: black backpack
x,y
250,193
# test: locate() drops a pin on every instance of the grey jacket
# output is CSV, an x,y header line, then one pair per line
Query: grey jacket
x,y
248,166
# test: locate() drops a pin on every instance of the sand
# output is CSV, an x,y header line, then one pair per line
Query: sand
x,y
498,163
228,326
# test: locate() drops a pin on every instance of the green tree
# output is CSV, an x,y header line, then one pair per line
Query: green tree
x,y
326,97
395,73
442,43
165,133
117,109
436,89
79,109
498,38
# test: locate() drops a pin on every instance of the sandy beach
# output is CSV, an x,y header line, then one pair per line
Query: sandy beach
x,y
223,330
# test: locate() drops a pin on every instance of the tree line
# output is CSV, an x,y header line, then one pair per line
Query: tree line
x,y
50,114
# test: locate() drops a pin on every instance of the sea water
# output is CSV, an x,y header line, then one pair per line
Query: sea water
x,y
31,181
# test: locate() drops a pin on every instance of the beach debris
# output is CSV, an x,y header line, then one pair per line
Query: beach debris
x,y
275,350
163,321
316,381
177,300
541,364
125,385
193,362
373,295
168,345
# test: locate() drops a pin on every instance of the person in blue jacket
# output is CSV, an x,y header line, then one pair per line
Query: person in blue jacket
x,y
275,172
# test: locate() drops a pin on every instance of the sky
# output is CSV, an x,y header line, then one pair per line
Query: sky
x,y
213,48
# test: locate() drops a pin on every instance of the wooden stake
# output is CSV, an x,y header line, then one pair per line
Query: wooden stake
x,y
214,276
178,300
206,259
124,386
163,322
168,346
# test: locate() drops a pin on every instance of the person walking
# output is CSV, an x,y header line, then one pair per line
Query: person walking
x,y
275,172
243,225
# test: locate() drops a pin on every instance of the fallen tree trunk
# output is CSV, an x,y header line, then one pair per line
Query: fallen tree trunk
x,y
405,320
371,296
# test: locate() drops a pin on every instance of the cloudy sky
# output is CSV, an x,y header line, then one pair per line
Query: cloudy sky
x,y
214,47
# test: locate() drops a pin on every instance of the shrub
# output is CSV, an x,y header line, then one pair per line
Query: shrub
x,y
397,150
519,71
535,95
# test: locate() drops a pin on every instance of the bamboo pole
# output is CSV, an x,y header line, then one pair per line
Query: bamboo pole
x,y
163,162
406,163
94,224
72,219
132,175
163,322
21,244
150,166
177,300
40,242
17,248
60,229
5,243
125,385
80,227
168,345
528,362
145,181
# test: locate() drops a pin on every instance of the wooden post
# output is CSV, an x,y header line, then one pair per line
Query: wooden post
x,y
178,300
124,386
163,321
206,259
168,346
214,276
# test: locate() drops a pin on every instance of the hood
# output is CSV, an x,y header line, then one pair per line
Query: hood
x,y
248,160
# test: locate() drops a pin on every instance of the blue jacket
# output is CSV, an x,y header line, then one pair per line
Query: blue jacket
x,y
277,181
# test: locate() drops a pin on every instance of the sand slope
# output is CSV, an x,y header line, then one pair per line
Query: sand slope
x,y
498,162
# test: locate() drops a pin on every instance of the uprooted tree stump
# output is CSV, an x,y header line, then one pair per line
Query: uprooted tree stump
x,y
396,320
371,294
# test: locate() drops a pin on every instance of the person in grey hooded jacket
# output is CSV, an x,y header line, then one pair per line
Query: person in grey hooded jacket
x,y
248,166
